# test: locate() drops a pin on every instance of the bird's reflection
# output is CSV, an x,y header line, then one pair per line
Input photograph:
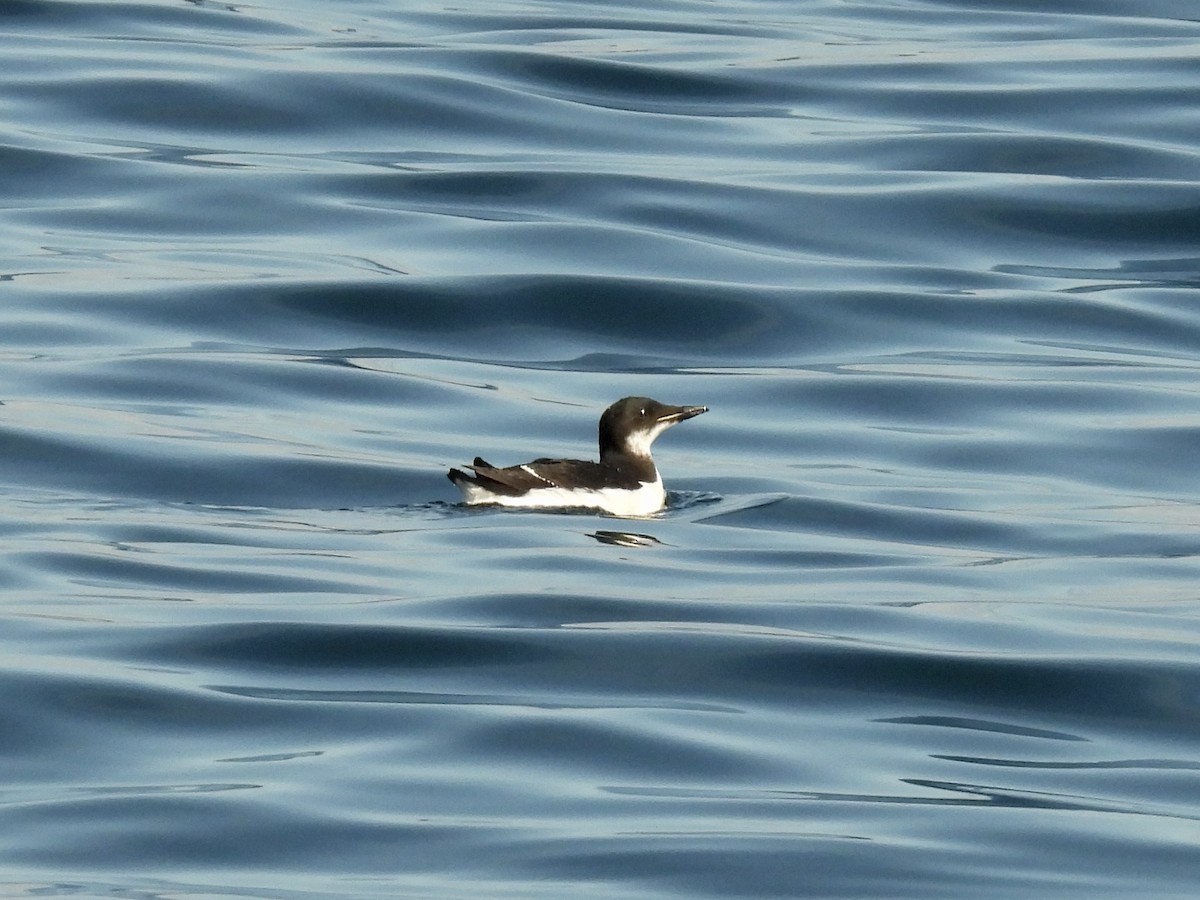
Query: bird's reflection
x,y
626,539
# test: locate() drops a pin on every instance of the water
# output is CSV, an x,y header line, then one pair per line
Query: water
x,y
922,619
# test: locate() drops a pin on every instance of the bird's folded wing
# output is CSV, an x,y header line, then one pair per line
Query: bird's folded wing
x,y
545,473
510,480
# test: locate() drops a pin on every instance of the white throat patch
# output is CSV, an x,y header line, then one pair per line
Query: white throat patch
x,y
638,443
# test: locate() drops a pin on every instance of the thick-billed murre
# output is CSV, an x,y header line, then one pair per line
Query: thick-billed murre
x,y
624,483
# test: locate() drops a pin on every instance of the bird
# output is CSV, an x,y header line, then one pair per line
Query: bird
x,y
625,482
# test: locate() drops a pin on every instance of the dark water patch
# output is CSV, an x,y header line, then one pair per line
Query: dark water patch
x,y
187,380
138,469
1181,765
279,645
547,318
1162,215
1033,690
25,172
120,566
1183,272
1070,12
1046,155
497,312
951,528
258,835
627,85
48,712
975,725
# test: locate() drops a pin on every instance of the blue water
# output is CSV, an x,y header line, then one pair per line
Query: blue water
x,y
923,617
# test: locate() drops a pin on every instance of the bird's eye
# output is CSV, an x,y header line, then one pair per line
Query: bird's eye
x,y
642,411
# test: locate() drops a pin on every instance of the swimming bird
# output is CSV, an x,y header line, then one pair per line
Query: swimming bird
x,y
625,482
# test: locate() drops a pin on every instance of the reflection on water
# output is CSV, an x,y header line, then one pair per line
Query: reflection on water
x,y
626,539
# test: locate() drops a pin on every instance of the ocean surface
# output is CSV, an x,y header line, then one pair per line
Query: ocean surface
x,y
922,619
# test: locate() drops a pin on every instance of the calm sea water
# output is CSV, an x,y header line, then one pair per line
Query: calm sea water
x,y
923,619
